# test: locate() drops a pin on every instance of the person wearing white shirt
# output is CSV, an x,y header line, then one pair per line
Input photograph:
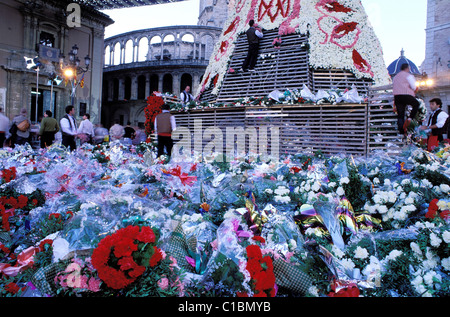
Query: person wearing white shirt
x,y
69,128
186,96
437,122
4,127
86,130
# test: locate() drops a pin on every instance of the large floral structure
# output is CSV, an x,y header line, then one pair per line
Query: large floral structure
x,y
339,36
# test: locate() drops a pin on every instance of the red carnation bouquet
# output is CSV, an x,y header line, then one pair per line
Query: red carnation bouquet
x,y
154,107
261,272
123,256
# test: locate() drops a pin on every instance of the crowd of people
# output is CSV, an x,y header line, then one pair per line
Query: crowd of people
x,y
66,131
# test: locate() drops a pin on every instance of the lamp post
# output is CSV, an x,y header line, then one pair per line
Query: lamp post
x,y
72,69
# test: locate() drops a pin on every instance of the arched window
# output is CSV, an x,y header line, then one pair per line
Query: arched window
x,y
141,87
186,80
143,49
107,55
117,49
129,51
167,83
115,89
154,83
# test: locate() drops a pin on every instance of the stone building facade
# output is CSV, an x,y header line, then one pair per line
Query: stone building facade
x,y
30,28
437,55
163,59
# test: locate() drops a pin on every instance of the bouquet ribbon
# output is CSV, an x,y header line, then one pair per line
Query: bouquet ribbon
x,y
255,217
24,260
184,177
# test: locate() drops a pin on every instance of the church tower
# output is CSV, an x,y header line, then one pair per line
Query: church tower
x,y
213,13
437,51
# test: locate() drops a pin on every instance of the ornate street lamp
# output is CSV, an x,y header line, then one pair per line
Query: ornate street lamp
x,y
71,70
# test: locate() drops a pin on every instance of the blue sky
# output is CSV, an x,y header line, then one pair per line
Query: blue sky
x,y
399,24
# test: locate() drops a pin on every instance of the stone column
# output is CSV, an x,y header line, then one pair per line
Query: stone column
x,y
121,89
176,83
147,85
134,87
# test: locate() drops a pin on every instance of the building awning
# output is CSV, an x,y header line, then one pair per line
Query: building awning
x,y
120,4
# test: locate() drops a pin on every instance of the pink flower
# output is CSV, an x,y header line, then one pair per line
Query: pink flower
x,y
94,284
163,283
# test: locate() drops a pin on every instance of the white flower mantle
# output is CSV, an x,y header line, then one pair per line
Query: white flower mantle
x,y
340,36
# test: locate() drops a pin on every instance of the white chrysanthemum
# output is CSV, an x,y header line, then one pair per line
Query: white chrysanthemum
x,y
332,184
376,181
337,252
340,191
444,188
344,180
394,254
446,236
282,191
435,241
442,205
406,181
361,253
268,191
387,182
416,248
282,199
432,277
313,291
446,264
382,209
316,186
426,183
348,264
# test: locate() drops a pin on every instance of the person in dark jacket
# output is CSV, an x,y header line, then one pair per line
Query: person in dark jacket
x,y
254,34
49,127
437,123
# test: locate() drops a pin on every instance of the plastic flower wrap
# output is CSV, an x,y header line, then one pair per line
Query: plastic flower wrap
x,y
327,210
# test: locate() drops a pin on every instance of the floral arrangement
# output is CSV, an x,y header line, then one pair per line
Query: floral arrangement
x,y
123,256
307,225
78,276
8,174
153,108
261,273
339,36
295,96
